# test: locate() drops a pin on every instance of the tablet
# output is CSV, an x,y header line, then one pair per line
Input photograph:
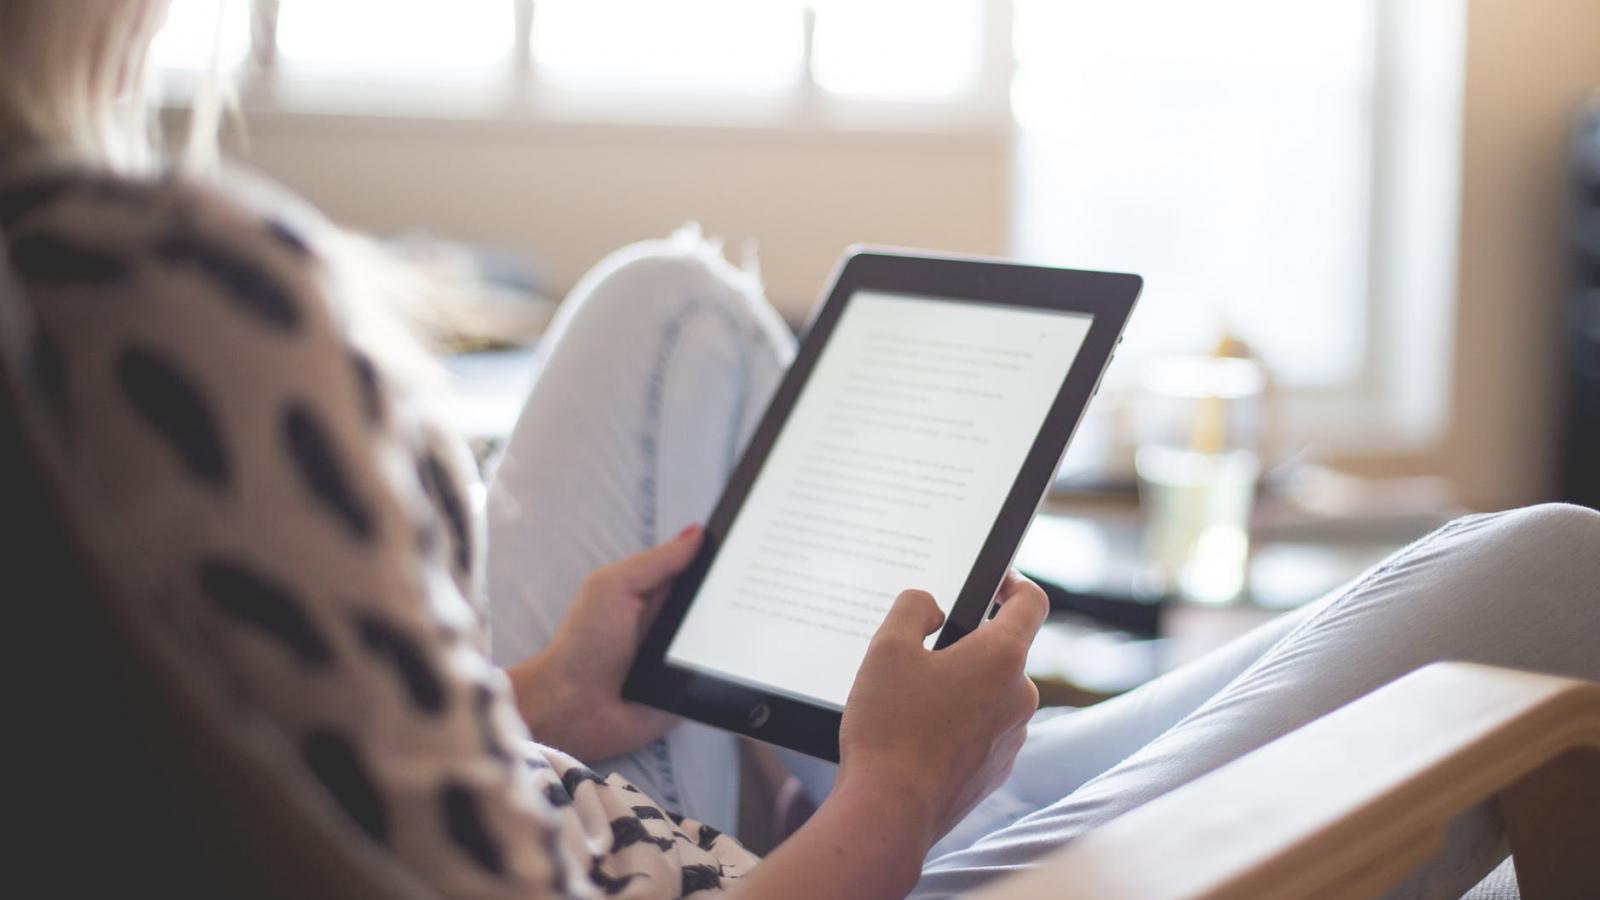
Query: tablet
x,y
908,446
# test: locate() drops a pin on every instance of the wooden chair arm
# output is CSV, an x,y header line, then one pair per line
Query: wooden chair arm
x,y
1349,804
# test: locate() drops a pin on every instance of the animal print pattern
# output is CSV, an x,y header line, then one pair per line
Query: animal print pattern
x,y
250,482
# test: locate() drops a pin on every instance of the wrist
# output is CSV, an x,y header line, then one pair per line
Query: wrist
x,y
913,789
866,841
538,692
894,803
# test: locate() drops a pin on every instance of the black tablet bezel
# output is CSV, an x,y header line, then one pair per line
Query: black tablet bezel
x,y
812,728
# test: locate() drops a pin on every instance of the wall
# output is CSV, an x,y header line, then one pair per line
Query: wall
x,y
569,193
1529,63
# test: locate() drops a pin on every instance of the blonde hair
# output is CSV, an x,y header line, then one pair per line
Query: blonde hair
x,y
75,87
75,84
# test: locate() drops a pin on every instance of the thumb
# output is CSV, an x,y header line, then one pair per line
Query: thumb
x,y
650,569
913,617
1023,608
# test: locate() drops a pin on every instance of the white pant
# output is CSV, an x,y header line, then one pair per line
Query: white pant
x,y
659,365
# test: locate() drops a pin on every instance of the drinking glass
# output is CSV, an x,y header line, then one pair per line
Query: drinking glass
x,y
1198,425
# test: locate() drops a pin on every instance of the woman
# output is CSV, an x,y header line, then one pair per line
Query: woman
x,y
254,478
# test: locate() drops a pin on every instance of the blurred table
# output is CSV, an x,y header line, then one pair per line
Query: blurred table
x,y
1109,633
487,389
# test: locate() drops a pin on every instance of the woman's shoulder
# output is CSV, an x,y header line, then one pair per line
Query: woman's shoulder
x,y
96,252
36,194
76,224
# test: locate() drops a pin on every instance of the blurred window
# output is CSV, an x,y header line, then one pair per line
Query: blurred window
x,y
395,37
1222,150
1226,150
913,49
199,30
698,46
921,50
901,49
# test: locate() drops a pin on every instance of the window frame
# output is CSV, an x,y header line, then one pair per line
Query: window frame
x,y
516,91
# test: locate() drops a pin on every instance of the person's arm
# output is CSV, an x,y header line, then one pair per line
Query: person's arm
x,y
920,746
866,840
926,735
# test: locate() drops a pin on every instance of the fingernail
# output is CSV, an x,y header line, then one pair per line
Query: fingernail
x,y
687,531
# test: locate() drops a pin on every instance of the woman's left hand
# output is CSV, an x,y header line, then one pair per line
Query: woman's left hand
x,y
570,694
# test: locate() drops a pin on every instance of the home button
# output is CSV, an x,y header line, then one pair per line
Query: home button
x,y
759,714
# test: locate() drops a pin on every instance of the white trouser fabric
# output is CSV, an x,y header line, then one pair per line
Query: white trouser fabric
x,y
658,367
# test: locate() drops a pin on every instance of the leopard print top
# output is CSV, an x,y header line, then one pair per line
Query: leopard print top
x,y
252,484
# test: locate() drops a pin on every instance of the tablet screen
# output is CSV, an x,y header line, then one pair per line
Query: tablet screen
x,y
888,474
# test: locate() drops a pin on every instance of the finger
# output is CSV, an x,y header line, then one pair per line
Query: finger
x,y
1027,701
652,718
913,616
1023,608
654,601
656,597
1008,586
654,568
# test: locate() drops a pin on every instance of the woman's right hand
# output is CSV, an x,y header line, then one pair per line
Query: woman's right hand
x,y
926,735
942,726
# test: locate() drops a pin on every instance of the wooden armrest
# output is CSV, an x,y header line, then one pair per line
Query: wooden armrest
x,y
1349,804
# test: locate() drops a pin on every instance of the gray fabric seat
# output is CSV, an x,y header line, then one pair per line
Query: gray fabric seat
x,y
1500,885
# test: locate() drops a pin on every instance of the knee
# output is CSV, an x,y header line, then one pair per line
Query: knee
x,y
1557,541
1559,525
660,279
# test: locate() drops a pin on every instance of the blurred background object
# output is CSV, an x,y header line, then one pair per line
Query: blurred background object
x,y
1580,464
1198,461
1392,203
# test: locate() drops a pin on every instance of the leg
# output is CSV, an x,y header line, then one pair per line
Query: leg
x,y
1067,748
658,365
1517,589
